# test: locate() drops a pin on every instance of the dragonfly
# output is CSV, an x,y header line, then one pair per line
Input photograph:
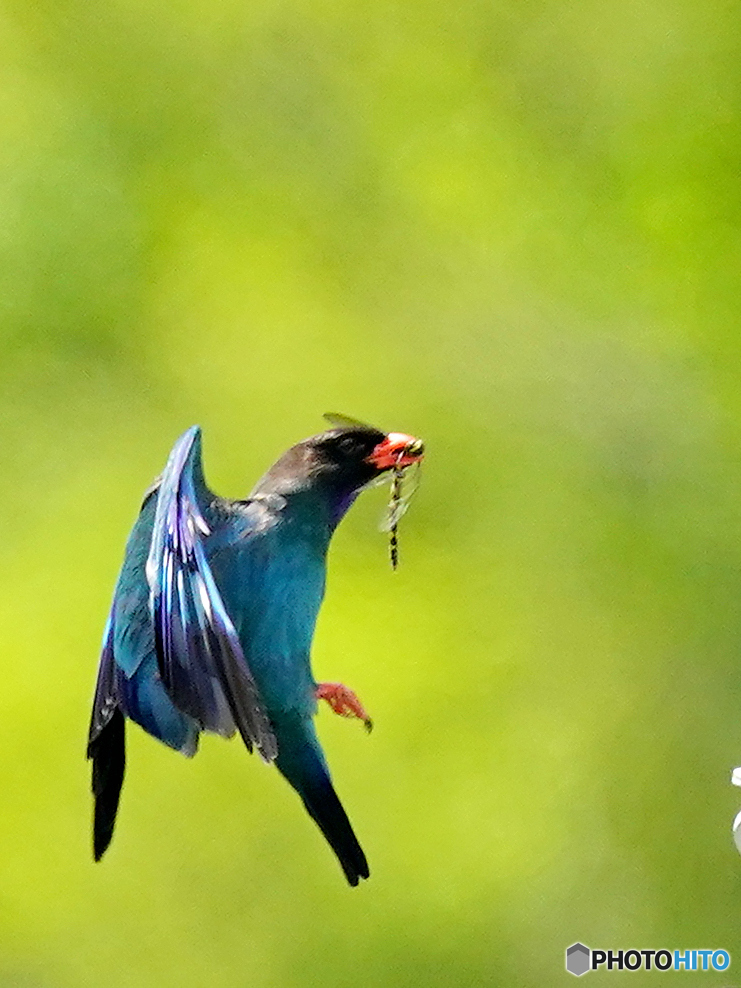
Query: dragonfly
x,y
404,483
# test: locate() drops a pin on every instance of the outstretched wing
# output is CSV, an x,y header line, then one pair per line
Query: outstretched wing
x,y
200,659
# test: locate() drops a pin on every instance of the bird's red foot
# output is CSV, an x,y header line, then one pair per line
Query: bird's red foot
x,y
343,701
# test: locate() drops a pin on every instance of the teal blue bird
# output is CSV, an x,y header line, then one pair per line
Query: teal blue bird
x,y
213,617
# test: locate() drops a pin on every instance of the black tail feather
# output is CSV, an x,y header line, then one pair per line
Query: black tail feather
x,y
300,761
108,752
327,811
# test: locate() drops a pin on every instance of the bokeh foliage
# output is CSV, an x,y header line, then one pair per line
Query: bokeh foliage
x,y
511,228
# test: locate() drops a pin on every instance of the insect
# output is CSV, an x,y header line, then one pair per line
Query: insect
x,y
404,482
400,498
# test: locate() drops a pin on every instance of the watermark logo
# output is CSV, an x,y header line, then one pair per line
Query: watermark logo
x,y
580,959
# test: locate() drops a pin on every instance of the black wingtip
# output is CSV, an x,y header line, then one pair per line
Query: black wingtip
x,y
108,752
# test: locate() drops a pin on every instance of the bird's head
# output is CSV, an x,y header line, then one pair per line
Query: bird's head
x,y
342,461
348,458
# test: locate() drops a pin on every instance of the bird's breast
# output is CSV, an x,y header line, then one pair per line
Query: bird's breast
x,y
272,588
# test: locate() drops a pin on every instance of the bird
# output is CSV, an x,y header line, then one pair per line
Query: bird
x,y
213,616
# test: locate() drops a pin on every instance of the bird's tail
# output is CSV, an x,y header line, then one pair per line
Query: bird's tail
x,y
301,762
108,752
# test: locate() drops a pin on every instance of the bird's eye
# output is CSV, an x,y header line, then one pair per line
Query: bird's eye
x,y
348,446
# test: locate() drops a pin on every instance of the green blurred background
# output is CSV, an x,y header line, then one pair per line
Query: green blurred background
x,y
510,228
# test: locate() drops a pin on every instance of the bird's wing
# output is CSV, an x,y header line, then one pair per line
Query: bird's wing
x,y
200,658
105,701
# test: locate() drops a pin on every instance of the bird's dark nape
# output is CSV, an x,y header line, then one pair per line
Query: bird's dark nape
x,y
108,752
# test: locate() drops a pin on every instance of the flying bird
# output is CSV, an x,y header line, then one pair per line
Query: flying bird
x,y
213,617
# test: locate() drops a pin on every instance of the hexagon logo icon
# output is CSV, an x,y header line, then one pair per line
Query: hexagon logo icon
x,y
577,959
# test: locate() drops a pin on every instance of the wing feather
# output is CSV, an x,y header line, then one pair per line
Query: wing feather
x,y
106,700
200,658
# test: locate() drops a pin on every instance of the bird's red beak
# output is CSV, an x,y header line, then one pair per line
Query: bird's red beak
x,y
397,450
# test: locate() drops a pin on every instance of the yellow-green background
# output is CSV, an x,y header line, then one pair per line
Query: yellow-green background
x,y
511,228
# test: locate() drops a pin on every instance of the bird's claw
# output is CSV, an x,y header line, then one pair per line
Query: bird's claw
x,y
344,702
